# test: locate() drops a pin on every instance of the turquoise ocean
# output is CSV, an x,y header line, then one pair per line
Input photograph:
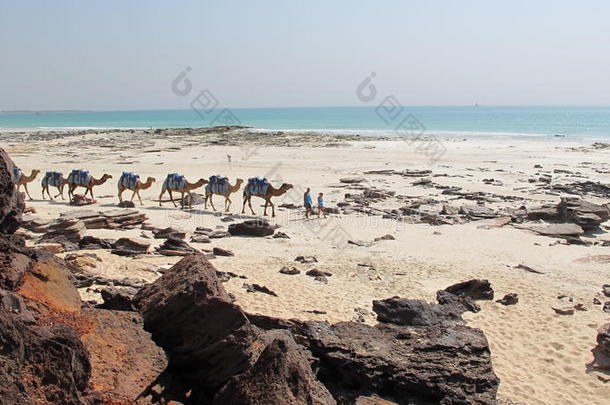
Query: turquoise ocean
x,y
576,123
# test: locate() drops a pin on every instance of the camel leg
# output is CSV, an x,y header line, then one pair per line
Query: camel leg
x,y
265,211
243,206
190,199
140,198
250,205
61,192
43,193
25,185
133,195
90,190
211,202
120,194
161,195
227,203
272,209
171,197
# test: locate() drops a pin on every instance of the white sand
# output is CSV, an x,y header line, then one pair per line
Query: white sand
x,y
540,357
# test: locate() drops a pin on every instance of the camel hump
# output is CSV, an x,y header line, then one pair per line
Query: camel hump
x,y
218,184
256,185
52,179
129,180
175,181
80,177
17,173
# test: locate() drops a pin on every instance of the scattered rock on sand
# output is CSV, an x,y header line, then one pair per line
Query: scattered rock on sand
x,y
80,200
252,228
218,251
168,232
384,237
126,204
306,259
606,290
92,243
290,270
408,312
351,180
281,235
321,279
175,247
563,309
129,247
509,299
259,288
200,238
318,273
475,289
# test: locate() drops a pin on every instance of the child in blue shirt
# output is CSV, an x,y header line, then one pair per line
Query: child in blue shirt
x,y
321,205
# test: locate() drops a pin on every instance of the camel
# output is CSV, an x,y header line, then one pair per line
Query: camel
x,y
271,192
136,188
60,187
24,180
230,190
89,187
188,187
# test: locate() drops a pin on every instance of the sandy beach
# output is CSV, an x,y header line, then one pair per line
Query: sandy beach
x,y
540,356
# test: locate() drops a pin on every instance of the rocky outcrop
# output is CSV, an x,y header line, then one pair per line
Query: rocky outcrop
x,y
252,228
587,215
214,350
281,376
206,336
406,312
11,201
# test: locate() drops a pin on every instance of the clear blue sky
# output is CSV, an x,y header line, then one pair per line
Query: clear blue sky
x,y
124,54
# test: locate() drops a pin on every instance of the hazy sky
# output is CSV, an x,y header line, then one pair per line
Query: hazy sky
x,y
124,54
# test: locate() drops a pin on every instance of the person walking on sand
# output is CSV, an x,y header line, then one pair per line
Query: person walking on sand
x,y
307,202
321,209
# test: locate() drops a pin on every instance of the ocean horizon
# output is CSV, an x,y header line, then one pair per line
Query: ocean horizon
x,y
587,123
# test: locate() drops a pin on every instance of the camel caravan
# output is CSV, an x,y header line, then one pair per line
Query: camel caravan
x,y
173,183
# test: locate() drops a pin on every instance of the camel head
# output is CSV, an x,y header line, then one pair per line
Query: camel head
x,y
238,182
285,187
35,172
201,182
105,177
150,180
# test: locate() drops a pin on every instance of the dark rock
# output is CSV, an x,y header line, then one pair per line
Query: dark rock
x,y
91,243
281,376
176,247
290,270
606,290
321,279
116,299
259,288
11,201
169,233
281,235
385,237
200,238
509,299
306,259
222,252
41,364
456,303
547,213
360,243
475,289
407,312
81,200
219,234
129,247
208,339
126,204
318,273
252,228
477,211
426,365
13,303
583,213
606,307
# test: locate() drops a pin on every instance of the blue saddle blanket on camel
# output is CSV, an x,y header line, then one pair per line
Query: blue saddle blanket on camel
x,y
16,173
175,181
53,179
256,185
218,185
129,180
79,177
